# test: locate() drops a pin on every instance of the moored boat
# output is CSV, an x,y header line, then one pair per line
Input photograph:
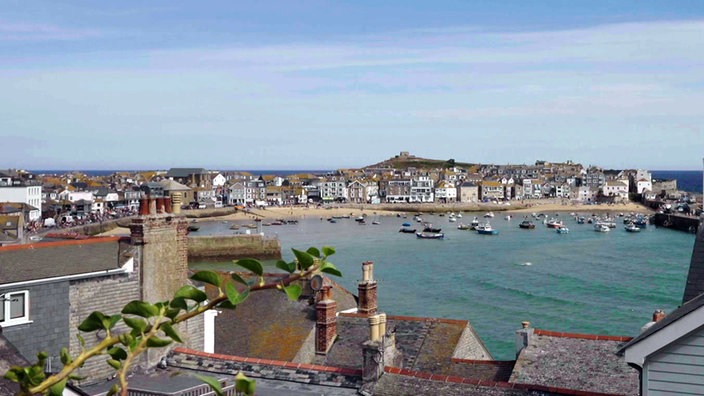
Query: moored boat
x,y
526,225
430,235
553,223
407,230
463,226
486,229
598,227
630,227
489,214
562,230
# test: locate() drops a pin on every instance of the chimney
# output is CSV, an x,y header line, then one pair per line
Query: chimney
x,y
367,304
176,202
144,206
658,315
379,351
523,336
326,321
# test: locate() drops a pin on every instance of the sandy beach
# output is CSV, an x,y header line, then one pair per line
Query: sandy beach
x,y
317,212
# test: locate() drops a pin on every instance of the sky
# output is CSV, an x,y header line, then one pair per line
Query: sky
x,y
339,84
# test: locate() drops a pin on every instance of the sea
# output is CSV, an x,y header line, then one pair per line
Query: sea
x,y
580,282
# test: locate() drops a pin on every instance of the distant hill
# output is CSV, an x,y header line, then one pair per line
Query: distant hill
x,y
405,160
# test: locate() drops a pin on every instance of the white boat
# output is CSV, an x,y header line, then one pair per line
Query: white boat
x,y
452,219
459,215
562,230
598,227
553,223
632,228
489,214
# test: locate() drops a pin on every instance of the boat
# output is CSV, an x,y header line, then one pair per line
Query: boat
x,y
489,215
463,226
598,227
553,223
581,220
406,224
359,219
475,222
375,222
508,217
193,228
235,227
640,222
526,225
452,219
407,230
562,230
459,215
430,228
486,229
430,235
632,228
35,238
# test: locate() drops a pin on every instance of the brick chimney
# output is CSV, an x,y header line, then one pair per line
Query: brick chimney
x,y
366,288
523,336
326,321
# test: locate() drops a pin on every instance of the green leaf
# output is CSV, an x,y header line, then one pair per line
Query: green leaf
x,y
235,277
172,313
305,260
212,382
156,342
191,293
329,268
328,251
234,296
140,308
110,322
252,265
136,323
58,388
117,353
65,356
93,322
227,305
288,267
12,374
293,292
179,303
114,364
209,277
244,384
170,331
35,374
81,340
313,252
114,389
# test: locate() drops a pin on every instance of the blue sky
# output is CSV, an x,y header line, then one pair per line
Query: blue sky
x,y
324,85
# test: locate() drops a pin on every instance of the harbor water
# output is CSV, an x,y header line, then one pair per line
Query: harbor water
x,y
581,282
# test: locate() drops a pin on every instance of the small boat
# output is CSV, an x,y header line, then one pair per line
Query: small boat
x,y
508,217
193,228
640,222
526,225
632,228
562,230
475,222
35,238
430,235
407,230
580,220
553,223
359,219
489,215
452,219
463,226
235,227
406,224
598,227
486,229
375,222
430,228
458,215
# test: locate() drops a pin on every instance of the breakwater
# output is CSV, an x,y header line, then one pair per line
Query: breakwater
x,y
231,247
676,222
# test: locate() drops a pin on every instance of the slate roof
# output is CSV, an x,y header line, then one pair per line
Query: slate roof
x,y
52,259
426,344
391,384
269,325
9,356
573,361
695,277
170,185
185,172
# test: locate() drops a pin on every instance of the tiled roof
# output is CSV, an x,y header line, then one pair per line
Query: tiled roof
x,y
695,278
573,361
9,356
52,259
185,172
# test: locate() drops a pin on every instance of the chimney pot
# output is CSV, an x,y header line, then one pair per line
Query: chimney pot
x,y
382,324
374,327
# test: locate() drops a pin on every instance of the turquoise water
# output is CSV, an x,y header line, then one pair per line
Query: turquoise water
x,y
583,282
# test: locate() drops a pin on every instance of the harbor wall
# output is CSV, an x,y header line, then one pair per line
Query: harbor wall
x,y
676,222
227,247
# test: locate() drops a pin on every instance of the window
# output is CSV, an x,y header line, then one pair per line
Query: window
x,y
14,308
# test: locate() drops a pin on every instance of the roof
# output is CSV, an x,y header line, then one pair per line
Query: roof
x,y
185,172
695,278
397,382
170,185
9,356
269,325
427,344
53,259
576,361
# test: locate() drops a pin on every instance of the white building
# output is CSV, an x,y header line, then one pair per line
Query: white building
x,y
445,191
31,195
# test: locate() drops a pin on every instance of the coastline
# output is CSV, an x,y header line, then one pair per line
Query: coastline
x,y
392,210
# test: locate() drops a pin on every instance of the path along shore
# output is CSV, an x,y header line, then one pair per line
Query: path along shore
x,y
354,210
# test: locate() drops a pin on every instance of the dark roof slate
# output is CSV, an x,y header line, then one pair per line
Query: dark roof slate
x,y
573,362
401,385
9,356
53,259
695,277
185,172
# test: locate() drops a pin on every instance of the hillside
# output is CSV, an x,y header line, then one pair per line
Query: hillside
x,y
405,160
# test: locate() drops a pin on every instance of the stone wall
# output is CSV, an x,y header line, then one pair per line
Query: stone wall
x,y
233,247
104,294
